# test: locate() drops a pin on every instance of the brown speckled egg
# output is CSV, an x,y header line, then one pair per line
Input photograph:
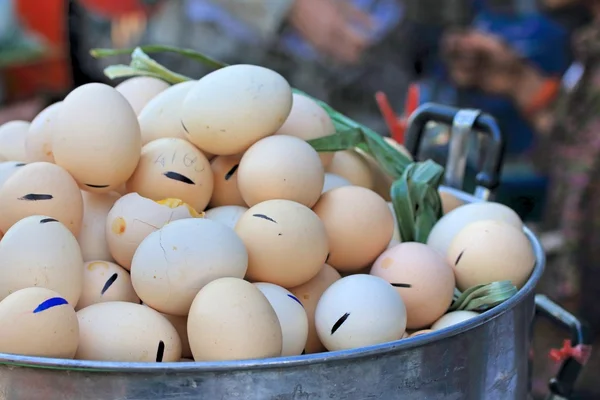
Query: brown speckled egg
x,y
140,90
422,277
40,251
92,236
359,226
105,281
172,264
12,140
309,294
38,139
226,192
281,167
161,117
308,120
490,251
44,189
38,322
352,166
172,167
126,332
215,123
286,242
230,319
134,217
97,137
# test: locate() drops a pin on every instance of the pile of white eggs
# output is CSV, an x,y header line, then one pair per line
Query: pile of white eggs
x,y
148,223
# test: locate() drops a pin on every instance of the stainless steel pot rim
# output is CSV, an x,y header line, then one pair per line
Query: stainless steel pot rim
x,y
295,361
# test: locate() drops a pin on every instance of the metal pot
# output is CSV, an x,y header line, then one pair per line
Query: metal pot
x,y
486,357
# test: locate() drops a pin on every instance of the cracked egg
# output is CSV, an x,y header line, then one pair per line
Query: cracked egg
x,y
134,217
172,264
173,168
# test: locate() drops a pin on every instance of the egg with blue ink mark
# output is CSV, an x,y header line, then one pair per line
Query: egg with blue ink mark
x,y
39,251
292,317
38,322
126,332
105,281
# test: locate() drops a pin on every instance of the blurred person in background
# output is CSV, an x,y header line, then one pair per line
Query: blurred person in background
x,y
341,51
567,121
539,39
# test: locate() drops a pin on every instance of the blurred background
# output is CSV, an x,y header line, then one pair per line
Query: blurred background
x,y
532,64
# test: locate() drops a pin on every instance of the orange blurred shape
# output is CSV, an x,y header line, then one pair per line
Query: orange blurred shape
x,y
51,73
115,8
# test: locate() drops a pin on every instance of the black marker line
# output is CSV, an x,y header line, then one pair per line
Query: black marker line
x,y
109,283
184,127
178,177
21,164
403,285
459,257
263,216
339,323
229,174
96,186
160,352
36,197
46,220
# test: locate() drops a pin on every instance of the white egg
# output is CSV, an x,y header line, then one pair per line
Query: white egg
x,y
228,215
172,264
449,225
359,310
452,318
333,181
291,315
7,168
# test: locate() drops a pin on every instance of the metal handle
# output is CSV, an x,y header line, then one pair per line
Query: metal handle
x,y
489,177
562,385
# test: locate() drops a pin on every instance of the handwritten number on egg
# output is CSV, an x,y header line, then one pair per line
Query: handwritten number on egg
x,y
459,257
46,220
178,177
51,302
36,197
263,216
229,174
339,323
160,352
109,283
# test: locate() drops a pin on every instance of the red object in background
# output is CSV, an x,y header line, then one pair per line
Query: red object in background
x,y
116,8
397,125
51,73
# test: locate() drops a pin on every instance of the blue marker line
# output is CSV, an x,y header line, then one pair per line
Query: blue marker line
x,y
295,299
51,302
